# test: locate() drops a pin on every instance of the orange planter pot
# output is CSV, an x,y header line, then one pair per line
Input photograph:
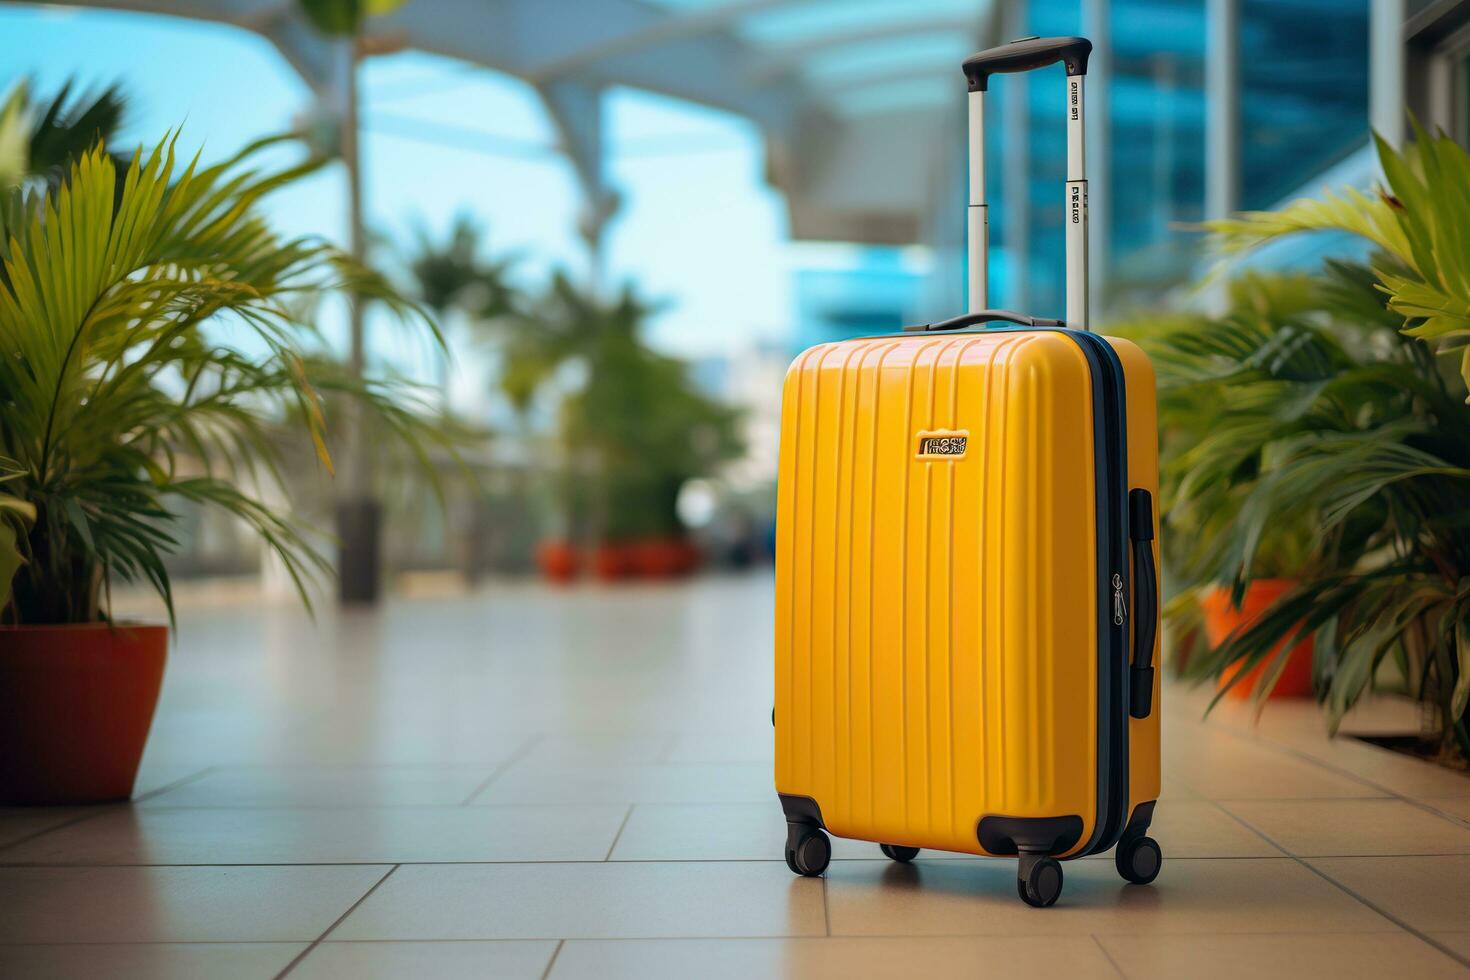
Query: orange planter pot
x,y
613,561
664,557
76,703
1222,619
559,561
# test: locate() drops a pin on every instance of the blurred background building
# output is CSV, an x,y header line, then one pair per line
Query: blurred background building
x,y
769,173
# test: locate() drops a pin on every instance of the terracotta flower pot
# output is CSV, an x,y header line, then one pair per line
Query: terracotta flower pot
x,y
76,703
1221,619
664,557
613,561
559,561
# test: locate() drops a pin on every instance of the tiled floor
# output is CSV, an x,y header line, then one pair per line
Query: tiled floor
x,y
530,783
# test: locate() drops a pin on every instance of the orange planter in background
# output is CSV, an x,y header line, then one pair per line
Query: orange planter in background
x,y
559,561
666,557
1222,619
612,561
76,703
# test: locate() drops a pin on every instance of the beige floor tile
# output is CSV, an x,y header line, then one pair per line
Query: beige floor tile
x,y
1290,957
1298,726
149,961
1171,789
727,747
830,959
1431,894
1230,767
756,832
606,748
1322,827
1456,942
1196,829
589,901
19,823
156,776
368,738
1190,896
122,905
1394,771
1456,807
501,960
385,835
715,783
334,786
721,832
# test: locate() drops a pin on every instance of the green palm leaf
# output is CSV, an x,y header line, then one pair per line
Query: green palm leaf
x,y
122,398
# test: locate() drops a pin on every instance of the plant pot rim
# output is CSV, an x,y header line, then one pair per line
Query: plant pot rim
x,y
127,624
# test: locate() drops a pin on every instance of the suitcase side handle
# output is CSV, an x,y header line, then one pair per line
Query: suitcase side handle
x,y
1024,55
981,317
1027,54
1145,602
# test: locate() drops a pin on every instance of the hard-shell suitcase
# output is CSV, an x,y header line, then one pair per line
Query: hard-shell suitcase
x,y
966,573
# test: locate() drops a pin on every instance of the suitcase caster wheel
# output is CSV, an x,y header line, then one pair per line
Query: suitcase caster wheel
x,y
899,853
1139,860
1039,881
810,855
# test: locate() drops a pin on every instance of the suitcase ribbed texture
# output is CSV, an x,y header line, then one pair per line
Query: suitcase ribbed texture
x,y
936,631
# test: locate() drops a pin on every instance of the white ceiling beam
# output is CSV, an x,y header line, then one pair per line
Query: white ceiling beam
x,y
783,60
662,28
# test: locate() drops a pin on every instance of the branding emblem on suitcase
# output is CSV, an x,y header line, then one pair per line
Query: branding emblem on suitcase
x,y
942,444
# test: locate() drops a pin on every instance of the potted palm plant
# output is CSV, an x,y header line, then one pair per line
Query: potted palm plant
x,y
1326,436
149,355
1395,480
633,426
1214,421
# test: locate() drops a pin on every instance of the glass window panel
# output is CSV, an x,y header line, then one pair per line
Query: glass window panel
x,y
1303,106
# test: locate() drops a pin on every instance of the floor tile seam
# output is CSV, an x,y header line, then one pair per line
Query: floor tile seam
x,y
597,862
1388,793
101,810
1366,903
1107,956
551,963
1303,756
516,756
296,961
766,937
619,835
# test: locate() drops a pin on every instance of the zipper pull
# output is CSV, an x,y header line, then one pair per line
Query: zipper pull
x,y
1120,605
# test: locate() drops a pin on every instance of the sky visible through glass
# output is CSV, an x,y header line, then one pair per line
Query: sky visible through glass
x,y
699,229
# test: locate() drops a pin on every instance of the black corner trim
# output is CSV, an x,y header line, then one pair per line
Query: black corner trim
x,y
802,814
802,809
1143,815
1036,835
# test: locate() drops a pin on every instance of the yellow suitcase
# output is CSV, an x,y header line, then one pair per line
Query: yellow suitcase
x,y
966,575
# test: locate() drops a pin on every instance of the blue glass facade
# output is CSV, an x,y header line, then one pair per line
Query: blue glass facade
x,y
1303,107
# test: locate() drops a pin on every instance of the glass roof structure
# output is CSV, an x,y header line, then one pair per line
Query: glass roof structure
x,y
861,103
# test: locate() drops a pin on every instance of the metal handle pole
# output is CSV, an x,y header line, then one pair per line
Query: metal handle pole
x,y
977,223
1076,207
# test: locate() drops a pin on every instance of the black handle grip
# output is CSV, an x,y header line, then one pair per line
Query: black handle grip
x,y
984,316
1026,54
1145,602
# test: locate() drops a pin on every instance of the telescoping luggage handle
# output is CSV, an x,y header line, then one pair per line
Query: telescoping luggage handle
x,y
1026,54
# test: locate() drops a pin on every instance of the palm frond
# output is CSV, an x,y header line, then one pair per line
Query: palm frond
x,y
122,400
